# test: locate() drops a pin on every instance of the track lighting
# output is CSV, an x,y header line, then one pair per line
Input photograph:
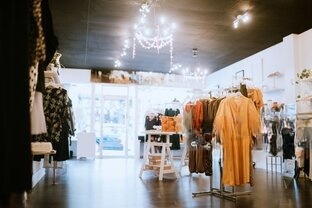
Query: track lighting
x,y
241,18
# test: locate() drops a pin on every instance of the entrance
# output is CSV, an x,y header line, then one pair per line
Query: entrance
x,y
107,111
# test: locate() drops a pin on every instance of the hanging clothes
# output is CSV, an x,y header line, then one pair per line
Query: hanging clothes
x,y
200,155
174,138
188,117
288,136
255,94
236,121
304,140
198,116
37,118
273,150
58,114
210,107
207,116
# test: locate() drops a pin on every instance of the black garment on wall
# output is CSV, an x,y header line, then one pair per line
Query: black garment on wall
x,y
288,136
273,145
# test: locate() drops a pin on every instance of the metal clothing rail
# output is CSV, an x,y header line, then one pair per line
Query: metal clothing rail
x,y
221,192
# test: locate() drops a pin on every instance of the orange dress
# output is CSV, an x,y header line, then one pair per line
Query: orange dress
x,y
256,96
236,121
198,116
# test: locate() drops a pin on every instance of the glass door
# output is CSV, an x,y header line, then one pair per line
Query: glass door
x,y
111,128
106,110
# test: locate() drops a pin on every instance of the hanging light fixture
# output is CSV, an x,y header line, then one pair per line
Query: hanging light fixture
x,y
152,33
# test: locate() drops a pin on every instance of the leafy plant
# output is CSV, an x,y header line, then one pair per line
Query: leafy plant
x,y
304,74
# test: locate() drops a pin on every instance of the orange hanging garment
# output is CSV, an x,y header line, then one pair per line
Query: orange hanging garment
x,y
236,121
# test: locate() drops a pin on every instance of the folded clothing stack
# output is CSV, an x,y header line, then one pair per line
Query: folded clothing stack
x,y
41,147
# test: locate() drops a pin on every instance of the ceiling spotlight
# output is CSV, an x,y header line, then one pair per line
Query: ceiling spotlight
x,y
235,23
245,17
195,52
241,18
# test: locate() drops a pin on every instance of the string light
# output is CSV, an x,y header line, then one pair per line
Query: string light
x,y
153,35
117,62
197,71
149,34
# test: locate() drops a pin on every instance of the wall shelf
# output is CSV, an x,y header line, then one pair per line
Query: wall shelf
x,y
275,74
274,90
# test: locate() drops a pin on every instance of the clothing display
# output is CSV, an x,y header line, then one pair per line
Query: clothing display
x,y
303,138
38,122
304,141
170,121
200,149
152,120
59,119
237,119
288,136
274,134
255,94
188,117
198,116
33,77
200,155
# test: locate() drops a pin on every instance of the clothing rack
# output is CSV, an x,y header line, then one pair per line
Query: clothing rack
x,y
221,192
227,177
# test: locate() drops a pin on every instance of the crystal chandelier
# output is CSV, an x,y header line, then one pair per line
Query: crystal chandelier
x,y
153,34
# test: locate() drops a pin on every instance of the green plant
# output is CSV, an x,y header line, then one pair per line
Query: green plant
x,y
304,74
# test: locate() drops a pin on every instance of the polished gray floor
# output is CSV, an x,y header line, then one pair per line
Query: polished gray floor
x,y
114,182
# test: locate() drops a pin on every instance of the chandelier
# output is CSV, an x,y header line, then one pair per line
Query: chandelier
x,y
152,33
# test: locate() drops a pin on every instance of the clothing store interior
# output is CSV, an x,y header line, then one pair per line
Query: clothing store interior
x,y
156,104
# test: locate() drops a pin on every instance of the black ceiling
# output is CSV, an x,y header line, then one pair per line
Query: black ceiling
x,y
91,32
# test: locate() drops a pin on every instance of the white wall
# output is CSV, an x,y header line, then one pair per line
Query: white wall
x,y
287,57
304,55
69,75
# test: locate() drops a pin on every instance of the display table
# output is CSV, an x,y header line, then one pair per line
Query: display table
x,y
161,162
